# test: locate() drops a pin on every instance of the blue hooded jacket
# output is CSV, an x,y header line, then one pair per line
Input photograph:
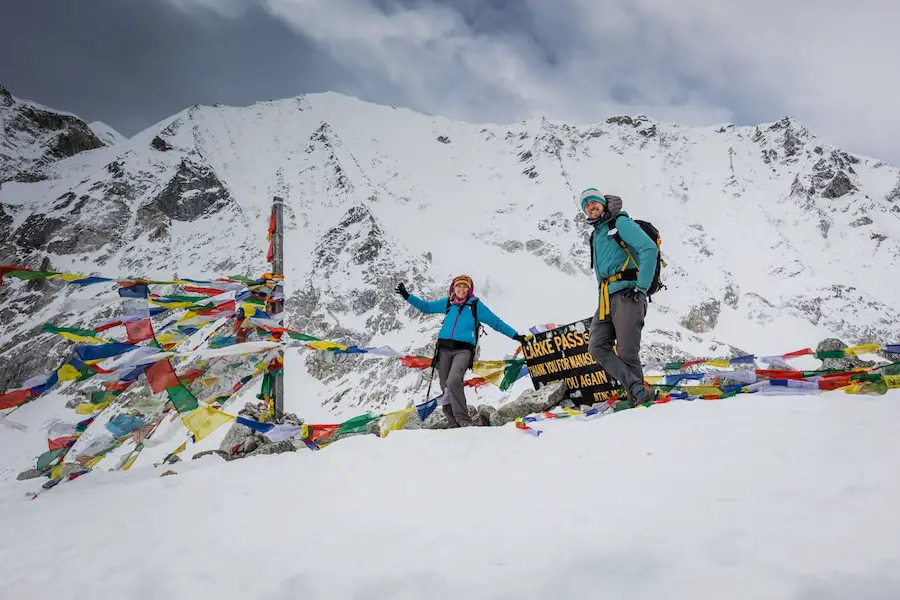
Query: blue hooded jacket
x,y
610,257
459,324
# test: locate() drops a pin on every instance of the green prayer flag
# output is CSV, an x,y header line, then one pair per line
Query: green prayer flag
x,y
48,328
48,458
182,398
195,299
242,279
829,354
100,396
866,377
511,373
673,366
891,369
302,337
266,388
358,424
30,274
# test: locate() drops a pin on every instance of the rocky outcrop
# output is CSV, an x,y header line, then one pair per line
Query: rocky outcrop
x,y
841,364
36,136
703,317
243,442
193,192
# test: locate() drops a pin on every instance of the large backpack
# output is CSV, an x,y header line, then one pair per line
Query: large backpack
x,y
631,274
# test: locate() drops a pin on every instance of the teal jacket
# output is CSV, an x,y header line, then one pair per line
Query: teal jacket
x,y
610,257
459,324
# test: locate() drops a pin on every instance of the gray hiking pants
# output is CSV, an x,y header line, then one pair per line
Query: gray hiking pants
x,y
621,327
452,367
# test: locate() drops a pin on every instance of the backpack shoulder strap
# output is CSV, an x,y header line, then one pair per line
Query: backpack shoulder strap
x,y
616,236
591,246
447,310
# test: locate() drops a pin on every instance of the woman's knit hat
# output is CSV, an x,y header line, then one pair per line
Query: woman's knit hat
x,y
465,280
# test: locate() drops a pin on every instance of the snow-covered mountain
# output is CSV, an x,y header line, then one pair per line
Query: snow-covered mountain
x,y
774,239
35,136
107,134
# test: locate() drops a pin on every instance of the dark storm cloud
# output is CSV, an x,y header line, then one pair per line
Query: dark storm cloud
x,y
133,63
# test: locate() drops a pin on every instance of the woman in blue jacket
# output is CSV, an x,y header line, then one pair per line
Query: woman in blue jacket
x,y
457,340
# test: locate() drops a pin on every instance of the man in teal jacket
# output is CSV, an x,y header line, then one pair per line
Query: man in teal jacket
x,y
624,275
457,340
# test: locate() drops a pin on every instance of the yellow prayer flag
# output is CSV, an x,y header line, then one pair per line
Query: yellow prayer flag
x,y
864,349
127,464
92,462
720,362
86,408
573,412
68,277
496,377
208,381
169,337
487,366
74,337
702,390
395,420
654,379
322,345
68,373
204,420
892,381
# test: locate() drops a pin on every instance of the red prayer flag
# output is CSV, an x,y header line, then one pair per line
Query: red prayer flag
x,y
139,331
220,308
804,352
319,432
415,362
476,382
779,374
14,398
203,290
117,386
191,375
834,383
62,442
108,326
161,376
4,269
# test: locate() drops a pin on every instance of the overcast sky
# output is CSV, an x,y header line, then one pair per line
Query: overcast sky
x,y
832,64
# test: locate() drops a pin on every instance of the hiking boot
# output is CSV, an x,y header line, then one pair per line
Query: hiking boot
x,y
644,396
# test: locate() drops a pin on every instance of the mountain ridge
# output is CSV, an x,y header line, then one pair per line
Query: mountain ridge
x,y
377,194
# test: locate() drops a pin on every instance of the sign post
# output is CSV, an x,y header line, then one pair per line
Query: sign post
x,y
562,354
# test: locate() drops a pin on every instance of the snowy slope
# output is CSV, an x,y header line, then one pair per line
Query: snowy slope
x,y
774,239
783,498
107,134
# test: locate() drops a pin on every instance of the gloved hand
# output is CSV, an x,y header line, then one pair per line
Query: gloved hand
x,y
634,295
401,289
613,204
522,339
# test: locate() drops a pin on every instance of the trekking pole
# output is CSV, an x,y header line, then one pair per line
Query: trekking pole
x,y
433,366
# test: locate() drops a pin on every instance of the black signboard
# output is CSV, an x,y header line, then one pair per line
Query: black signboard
x,y
562,354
